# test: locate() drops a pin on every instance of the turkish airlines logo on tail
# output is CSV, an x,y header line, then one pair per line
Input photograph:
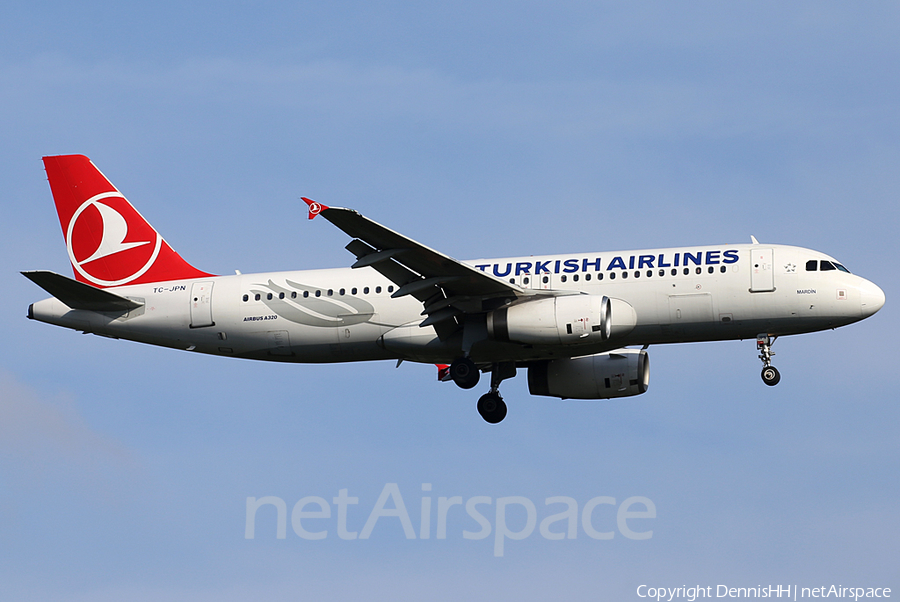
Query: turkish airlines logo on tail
x,y
109,243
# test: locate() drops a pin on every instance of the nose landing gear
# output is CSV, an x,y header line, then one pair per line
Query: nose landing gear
x,y
770,374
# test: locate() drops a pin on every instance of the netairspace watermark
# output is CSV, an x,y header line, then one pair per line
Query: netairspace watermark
x,y
789,592
309,512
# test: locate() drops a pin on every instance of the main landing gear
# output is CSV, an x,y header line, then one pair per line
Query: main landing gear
x,y
770,374
492,407
464,372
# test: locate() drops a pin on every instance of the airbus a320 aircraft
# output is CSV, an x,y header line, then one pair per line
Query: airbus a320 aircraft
x,y
568,320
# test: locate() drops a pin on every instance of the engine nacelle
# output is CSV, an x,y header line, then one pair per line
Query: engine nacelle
x,y
564,320
620,373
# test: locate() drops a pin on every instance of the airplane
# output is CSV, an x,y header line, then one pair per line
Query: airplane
x,y
579,324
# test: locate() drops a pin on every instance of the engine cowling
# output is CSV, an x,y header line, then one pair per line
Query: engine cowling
x,y
564,320
620,373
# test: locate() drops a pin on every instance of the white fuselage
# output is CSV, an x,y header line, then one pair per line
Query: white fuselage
x,y
335,315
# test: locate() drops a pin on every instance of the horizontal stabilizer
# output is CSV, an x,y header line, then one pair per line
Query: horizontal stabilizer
x,y
78,295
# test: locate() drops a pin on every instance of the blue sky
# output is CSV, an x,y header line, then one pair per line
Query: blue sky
x,y
481,129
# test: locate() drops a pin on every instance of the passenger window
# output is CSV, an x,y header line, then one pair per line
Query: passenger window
x,y
811,265
687,271
587,276
624,274
637,274
722,269
294,295
575,278
269,296
662,273
525,280
562,278
246,298
546,279
377,289
353,291
649,273
711,269
256,296
699,270
305,294
674,272
341,292
600,276
391,289
318,293
612,275
281,295
366,290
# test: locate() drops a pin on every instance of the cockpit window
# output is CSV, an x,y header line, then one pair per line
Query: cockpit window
x,y
825,266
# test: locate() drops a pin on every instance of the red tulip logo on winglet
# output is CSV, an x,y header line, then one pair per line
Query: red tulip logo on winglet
x,y
314,207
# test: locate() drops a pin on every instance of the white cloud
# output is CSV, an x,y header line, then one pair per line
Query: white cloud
x,y
40,434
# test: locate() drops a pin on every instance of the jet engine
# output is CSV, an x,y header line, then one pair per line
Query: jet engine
x,y
564,320
620,373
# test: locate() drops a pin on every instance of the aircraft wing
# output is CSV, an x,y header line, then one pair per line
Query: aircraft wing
x,y
447,287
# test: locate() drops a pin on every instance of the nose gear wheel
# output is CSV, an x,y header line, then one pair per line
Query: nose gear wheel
x,y
770,374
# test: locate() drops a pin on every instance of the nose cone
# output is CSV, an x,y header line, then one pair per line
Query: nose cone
x,y
871,298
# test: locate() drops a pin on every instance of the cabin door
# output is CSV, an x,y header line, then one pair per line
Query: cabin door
x,y
201,304
762,272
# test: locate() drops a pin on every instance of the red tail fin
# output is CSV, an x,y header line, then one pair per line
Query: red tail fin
x,y
109,242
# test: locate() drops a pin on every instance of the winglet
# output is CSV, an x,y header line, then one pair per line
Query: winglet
x,y
443,372
314,207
